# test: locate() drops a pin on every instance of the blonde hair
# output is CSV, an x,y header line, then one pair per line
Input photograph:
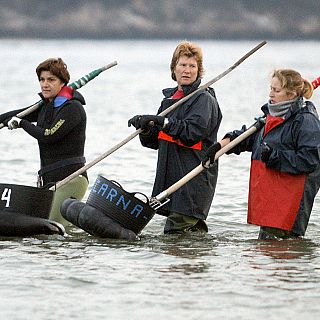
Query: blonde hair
x,y
189,49
293,82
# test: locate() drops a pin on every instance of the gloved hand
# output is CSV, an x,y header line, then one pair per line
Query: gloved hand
x,y
261,121
210,155
146,121
14,123
266,151
135,121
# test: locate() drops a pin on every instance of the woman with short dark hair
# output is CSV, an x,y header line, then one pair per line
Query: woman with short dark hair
x,y
60,132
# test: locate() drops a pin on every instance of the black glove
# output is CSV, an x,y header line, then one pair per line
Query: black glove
x,y
266,151
144,121
147,121
261,121
135,121
210,155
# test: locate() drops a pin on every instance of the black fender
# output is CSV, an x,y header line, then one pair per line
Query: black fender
x,y
94,221
13,224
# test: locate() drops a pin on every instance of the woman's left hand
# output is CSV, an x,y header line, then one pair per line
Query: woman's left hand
x,y
210,154
266,151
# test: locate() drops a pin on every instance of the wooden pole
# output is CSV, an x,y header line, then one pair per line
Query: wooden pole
x,y
133,135
75,85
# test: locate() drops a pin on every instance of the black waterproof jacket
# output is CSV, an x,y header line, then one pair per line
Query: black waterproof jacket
x,y
195,120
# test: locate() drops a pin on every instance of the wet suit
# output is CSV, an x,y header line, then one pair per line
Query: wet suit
x,y
60,132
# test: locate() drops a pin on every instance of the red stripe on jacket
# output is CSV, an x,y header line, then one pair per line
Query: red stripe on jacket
x,y
163,136
166,137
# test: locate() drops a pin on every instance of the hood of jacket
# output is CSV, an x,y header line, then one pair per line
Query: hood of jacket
x,y
187,89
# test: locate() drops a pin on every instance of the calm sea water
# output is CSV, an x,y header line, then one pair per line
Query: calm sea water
x,y
225,274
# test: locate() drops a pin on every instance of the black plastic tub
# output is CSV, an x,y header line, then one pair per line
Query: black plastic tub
x,y
124,207
31,201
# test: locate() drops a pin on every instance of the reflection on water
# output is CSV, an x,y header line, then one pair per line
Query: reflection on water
x,y
187,245
287,249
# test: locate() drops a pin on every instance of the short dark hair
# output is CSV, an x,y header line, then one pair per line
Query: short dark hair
x,y
56,66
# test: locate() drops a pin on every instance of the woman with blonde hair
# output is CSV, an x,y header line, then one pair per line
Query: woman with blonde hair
x,y
285,162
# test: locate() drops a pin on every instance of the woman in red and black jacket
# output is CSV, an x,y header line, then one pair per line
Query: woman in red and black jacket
x,y
285,162
181,139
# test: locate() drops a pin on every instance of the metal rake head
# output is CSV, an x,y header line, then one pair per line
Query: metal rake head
x,y
156,204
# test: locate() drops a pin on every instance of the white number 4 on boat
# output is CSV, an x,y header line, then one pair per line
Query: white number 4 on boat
x,y
6,194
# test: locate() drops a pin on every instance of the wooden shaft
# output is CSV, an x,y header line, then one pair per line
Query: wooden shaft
x,y
164,194
27,111
75,85
93,162
209,83
130,137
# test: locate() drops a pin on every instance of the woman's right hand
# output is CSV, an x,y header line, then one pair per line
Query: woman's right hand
x,y
210,154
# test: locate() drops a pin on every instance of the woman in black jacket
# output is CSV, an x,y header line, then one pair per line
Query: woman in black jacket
x,y
181,139
60,132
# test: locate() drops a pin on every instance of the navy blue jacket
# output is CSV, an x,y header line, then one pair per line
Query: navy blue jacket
x,y
196,120
282,191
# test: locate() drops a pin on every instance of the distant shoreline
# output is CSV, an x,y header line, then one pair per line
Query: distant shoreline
x,y
229,20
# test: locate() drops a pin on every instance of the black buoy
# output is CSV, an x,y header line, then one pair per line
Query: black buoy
x,y
14,224
94,221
